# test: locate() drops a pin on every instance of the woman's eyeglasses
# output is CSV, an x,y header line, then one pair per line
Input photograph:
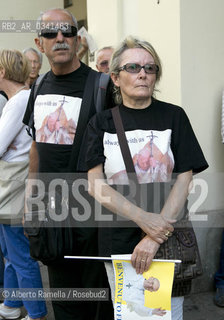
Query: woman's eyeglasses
x,y
51,33
149,68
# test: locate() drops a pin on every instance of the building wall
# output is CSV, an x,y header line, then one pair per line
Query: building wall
x,y
202,82
104,23
78,9
157,23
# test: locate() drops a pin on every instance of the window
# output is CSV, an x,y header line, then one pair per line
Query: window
x,y
68,3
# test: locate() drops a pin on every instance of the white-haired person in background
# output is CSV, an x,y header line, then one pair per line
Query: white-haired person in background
x,y
103,59
35,58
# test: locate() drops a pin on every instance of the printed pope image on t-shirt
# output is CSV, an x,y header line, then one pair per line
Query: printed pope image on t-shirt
x,y
57,118
151,153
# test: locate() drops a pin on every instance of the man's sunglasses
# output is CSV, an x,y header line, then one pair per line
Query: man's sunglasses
x,y
51,33
136,68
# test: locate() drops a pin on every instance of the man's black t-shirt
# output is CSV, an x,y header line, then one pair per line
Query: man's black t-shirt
x,y
56,112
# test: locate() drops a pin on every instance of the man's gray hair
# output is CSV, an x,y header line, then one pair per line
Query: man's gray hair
x,y
38,53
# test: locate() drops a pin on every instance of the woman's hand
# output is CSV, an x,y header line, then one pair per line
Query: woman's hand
x,y
155,225
159,312
143,254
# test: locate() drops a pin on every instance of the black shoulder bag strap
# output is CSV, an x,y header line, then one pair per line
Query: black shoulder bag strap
x,y
101,90
38,84
36,89
132,176
87,100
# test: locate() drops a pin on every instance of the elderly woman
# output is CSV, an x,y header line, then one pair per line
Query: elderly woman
x,y
161,143
21,271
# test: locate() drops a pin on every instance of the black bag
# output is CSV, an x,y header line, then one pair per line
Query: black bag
x,y
182,245
50,239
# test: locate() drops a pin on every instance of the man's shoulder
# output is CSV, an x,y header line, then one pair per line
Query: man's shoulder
x,y
49,83
83,70
85,67
50,76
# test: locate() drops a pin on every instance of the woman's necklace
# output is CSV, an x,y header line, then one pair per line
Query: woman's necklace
x,y
20,89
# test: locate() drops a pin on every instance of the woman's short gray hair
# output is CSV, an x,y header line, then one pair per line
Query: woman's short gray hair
x,y
129,43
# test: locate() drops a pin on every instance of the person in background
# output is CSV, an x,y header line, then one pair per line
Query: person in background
x,y
35,58
165,130
2,266
219,278
21,271
83,48
3,100
103,59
